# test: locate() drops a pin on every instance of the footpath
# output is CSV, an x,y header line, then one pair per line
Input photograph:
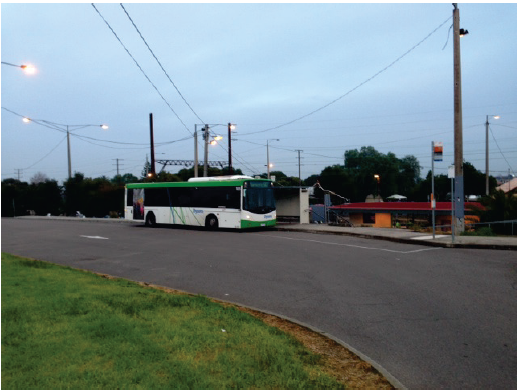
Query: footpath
x,y
391,234
408,236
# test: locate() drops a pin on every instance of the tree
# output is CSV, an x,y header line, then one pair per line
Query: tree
x,y
187,173
93,197
38,178
337,180
395,175
146,169
15,197
124,179
499,206
164,176
474,181
442,188
46,197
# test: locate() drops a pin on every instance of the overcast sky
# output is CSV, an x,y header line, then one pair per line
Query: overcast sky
x,y
314,76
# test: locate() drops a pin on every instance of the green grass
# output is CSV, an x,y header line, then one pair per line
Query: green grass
x,y
68,329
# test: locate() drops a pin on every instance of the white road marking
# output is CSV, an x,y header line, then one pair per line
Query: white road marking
x,y
352,245
429,237
92,237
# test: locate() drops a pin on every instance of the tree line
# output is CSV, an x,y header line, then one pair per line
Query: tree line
x,y
92,197
369,172
354,181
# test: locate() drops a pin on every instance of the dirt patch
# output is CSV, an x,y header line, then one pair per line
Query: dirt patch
x,y
339,362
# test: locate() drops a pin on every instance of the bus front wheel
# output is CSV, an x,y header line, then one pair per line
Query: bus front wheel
x,y
211,222
150,220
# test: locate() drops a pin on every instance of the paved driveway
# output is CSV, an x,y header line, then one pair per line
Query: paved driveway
x,y
434,318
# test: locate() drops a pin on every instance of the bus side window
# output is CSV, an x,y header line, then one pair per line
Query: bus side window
x,y
129,197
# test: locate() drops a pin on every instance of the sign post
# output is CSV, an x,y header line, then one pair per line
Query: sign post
x,y
437,156
451,175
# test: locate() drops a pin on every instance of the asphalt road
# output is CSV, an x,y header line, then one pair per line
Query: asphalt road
x,y
434,318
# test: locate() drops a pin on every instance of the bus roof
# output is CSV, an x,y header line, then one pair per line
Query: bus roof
x,y
235,180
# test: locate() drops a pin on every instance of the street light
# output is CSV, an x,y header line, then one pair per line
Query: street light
x,y
67,128
377,177
27,68
268,158
205,129
229,128
487,187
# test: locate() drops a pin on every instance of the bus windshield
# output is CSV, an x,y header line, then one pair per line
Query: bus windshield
x,y
258,197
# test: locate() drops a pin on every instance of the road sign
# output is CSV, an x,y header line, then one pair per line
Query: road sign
x,y
438,151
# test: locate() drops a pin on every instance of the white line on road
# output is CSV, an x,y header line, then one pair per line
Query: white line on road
x,y
92,237
352,245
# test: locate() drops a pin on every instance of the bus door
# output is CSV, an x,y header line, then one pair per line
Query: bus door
x,y
138,204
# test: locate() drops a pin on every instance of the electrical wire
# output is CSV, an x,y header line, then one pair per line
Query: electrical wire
x,y
500,150
355,88
140,68
52,150
155,57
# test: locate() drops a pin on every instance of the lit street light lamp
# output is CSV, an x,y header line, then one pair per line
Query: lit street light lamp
x,y
377,177
207,141
486,155
27,68
229,128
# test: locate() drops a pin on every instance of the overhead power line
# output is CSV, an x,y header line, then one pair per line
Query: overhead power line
x,y
140,68
354,88
155,57
494,137
52,150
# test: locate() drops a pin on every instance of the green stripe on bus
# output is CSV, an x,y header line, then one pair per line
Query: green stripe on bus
x,y
192,184
257,224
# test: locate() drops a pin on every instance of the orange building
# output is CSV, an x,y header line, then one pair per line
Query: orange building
x,y
387,214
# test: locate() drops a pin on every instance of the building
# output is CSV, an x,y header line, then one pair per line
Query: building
x,y
388,214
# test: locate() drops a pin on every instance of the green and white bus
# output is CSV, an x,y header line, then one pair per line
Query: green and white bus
x,y
227,202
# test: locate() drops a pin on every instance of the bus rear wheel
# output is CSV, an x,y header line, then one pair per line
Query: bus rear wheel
x,y
150,220
211,222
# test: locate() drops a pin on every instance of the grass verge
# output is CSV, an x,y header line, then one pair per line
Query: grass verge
x,y
68,329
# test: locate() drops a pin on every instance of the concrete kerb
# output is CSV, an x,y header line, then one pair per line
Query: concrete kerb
x,y
388,376
444,244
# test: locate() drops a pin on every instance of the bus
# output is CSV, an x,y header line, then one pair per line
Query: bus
x,y
235,201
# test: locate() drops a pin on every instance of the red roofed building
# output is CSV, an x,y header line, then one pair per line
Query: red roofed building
x,y
386,214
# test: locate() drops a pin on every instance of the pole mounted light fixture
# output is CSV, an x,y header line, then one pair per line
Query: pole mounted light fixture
x,y
67,129
27,68
207,142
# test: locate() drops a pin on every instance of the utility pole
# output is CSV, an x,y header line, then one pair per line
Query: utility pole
x,y
68,154
206,152
18,170
459,193
230,155
487,171
117,164
152,146
299,163
195,166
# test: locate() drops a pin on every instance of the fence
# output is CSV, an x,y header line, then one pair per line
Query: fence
x,y
509,227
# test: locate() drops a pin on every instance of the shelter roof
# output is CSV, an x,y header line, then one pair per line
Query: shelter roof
x,y
508,186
